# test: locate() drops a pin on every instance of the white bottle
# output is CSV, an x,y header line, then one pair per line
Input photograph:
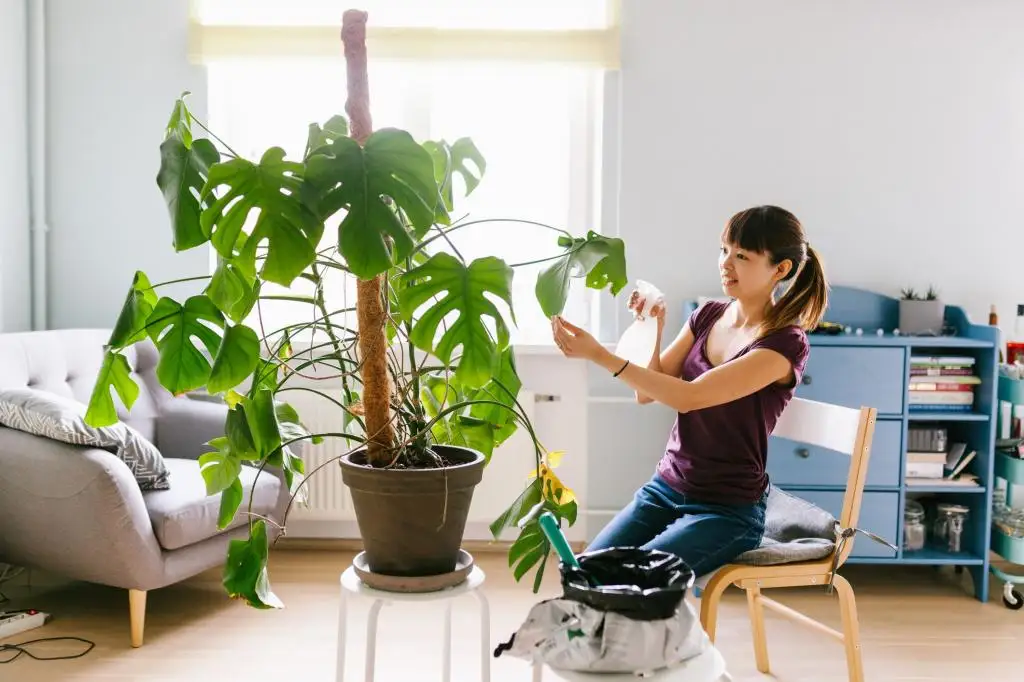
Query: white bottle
x,y
640,340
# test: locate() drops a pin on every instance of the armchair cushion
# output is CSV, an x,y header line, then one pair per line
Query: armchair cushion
x,y
56,417
185,514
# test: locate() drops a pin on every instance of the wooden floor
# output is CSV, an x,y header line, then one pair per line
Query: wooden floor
x,y
917,624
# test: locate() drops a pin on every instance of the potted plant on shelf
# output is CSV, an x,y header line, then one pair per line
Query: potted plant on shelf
x,y
430,386
921,314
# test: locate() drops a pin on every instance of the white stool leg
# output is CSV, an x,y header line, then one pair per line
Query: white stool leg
x,y
485,636
339,673
446,652
371,639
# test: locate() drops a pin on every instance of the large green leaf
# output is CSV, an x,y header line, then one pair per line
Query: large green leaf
x,y
184,169
503,387
237,358
531,496
176,328
130,326
391,171
602,260
220,469
290,228
245,572
230,500
452,159
232,290
114,373
463,292
320,137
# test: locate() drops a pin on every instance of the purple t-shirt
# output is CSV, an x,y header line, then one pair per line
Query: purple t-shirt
x,y
718,454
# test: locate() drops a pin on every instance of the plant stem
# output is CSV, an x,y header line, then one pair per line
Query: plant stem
x,y
425,243
179,281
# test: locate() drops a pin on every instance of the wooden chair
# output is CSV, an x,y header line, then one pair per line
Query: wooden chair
x,y
837,428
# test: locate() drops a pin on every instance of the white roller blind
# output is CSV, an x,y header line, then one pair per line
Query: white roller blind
x,y
566,31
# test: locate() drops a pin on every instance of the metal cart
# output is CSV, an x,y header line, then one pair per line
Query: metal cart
x,y
1008,522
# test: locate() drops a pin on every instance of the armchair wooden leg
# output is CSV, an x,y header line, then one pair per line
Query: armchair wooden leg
x,y
757,628
851,628
137,612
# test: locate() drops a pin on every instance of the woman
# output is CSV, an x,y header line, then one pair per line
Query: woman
x,y
729,374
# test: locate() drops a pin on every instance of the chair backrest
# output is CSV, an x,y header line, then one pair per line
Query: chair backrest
x,y
842,429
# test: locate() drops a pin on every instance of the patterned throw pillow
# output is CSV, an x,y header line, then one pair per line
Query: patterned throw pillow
x,y
63,419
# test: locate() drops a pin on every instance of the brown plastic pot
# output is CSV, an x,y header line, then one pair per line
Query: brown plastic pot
x,y
412,521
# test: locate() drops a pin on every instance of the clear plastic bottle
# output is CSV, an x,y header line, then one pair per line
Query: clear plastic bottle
x,y
640,339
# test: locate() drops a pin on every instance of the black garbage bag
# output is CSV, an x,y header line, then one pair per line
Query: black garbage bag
x,y
642,584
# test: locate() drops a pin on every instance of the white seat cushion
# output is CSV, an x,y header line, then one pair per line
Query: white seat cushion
x,y
185,514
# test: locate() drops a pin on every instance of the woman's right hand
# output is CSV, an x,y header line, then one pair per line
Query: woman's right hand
x,y
636,305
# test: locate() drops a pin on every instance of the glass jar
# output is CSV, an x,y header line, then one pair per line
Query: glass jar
x,y
913,526
949,525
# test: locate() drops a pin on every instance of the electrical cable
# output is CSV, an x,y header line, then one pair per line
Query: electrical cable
x,y
20,649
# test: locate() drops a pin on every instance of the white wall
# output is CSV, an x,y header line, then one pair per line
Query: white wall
x,y
894,130
15,270
115,69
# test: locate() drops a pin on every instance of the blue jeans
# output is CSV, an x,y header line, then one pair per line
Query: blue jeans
x,y
704,535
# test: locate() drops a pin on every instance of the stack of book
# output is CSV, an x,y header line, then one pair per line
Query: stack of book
x,y
930,463
944,383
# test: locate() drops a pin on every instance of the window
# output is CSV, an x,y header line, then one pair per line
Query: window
x,y
537,121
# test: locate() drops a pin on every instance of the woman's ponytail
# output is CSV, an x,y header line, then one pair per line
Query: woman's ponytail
x,y
806,300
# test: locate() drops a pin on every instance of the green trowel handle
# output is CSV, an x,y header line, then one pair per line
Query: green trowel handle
x,y
549,525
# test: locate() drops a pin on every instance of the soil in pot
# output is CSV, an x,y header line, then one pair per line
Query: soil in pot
x,y
412,520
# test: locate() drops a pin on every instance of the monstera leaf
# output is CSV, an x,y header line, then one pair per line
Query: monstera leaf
x,y
245,573
463,292
451,159
175,328
179,125
114,373
184,169
503,387
601,259
274,187
237,358
365,181
130,326
319,137
232,290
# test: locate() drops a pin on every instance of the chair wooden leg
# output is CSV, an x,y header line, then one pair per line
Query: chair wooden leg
x,y
851,628
709,603
757,628
137,612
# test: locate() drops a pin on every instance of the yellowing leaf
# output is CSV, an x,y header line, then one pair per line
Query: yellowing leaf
x,y
555,458
553,488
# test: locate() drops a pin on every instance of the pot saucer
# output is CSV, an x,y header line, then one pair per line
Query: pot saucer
x,y
410,583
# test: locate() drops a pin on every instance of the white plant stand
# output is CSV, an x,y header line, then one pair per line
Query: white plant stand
x,y
352,585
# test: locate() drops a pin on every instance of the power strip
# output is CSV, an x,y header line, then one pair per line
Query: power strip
x,y
14,623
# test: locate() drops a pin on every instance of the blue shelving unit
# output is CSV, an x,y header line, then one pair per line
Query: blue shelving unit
x,y
874,370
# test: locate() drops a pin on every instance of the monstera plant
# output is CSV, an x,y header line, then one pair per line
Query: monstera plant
x,y
429,387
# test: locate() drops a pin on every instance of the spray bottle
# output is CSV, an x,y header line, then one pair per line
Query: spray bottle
x,y
639,341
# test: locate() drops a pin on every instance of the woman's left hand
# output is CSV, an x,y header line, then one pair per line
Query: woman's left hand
x,y
573,341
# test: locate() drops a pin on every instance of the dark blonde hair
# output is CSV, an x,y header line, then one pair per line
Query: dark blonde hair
x,y
777,232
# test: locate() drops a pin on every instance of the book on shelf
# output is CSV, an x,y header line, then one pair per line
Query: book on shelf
x,y
942,383
941,468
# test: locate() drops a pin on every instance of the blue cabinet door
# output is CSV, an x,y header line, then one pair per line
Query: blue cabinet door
x,y
855,377
791,463
879,513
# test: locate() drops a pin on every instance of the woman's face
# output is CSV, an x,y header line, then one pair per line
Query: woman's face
x,y
748,274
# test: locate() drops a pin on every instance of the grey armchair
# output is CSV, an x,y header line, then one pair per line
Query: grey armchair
x,y
78,512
